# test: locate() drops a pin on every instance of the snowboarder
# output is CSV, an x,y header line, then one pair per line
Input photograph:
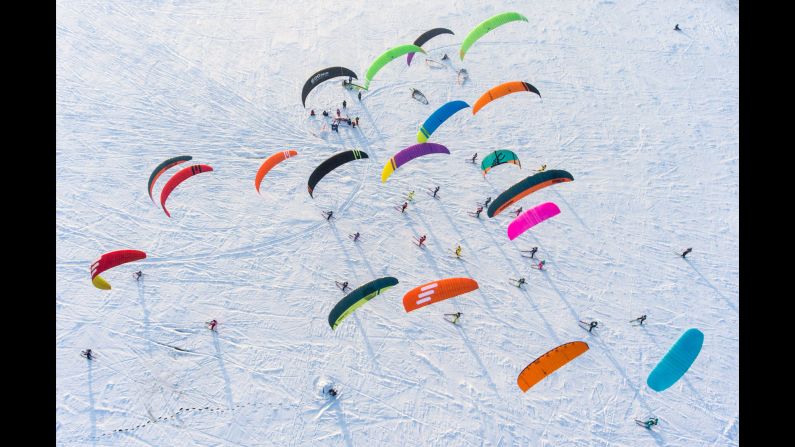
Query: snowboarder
x,y
87,354
649,423
344,104
478,211
312,112
355,236
591,325
458,251
455,316
411,196
640,319
360,96
325,113
533,252
542,169
212,324
405,205
138,275
686,252
422,240
520,282
676,28
486,203
517,212
328,214
474,157
338,113
435,191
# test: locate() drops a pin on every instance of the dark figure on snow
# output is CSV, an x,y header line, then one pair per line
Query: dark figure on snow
x,y
325,113
329,214
685,253
651,422
474,157
445,57
486,203
212,324
455,316
640,319
520,282
676,28
312,112
540,265
479,210
344,285
338,113
335,127
332,392
344,104
405,205
519,211
422,240
592,325
435,191
355,236
138,275
87,354
357,120
360,95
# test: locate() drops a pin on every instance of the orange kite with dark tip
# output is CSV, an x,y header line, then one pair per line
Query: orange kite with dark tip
x,y
549,363
502,90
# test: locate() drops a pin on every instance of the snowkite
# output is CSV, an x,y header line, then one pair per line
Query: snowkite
x,y
387,57
322,76
438,117
677,361
502,90
549,363
486,26
108,261
531,218
436,291
356,298
163,167
178,178
426,36
526,187
497,158
269,163
331,164
410,153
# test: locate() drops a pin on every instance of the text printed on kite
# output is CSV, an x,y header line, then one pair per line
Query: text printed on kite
x,y
436,291
323,76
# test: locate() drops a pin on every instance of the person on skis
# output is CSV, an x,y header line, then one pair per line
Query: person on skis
x,y
328,214
533,252
312,112
338,113
685,253
344,104
212,324
332,392
325,113
456,316
540,265
357,118
640,319
411,196
344,285
355,236
360,95
478,211
474,157
651,422
486,203
517,212
458,251
520,282
138,275
676,28
87,354
422,240
405,205
445,57
591,326
542,169
435,191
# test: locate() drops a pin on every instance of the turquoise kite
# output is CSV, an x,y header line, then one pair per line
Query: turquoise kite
x,y
497,158
678,360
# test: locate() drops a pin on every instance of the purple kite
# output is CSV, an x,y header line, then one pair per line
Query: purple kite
x,y
410,153
530,218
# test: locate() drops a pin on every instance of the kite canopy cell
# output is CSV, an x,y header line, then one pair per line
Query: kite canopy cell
x,y
356,298
549,363
487,25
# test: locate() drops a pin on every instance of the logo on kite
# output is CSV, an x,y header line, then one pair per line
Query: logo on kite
x,y
497,158
436,291
108,261
322,76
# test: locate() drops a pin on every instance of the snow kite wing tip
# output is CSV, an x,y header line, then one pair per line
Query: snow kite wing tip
x,y
100,283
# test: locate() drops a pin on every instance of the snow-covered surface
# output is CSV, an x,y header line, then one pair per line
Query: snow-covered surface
x,y
644,117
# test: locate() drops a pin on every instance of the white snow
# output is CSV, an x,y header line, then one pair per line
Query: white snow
x,y
644,117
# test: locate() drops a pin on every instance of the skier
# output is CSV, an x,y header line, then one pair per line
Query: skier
x,y
455,316
478,211
458,251
540,265
332,392
486,203
312,112
533,252
676,28
360,95
650,423
355,236
640,319
212,324
87,354
543,168
325,113
474,157
405,205
445,57
335,127
519,211
520,282
435,191
422,240
338,113
344,104
344,285
138,275
357,118
686,252
411,196
590,325
328,214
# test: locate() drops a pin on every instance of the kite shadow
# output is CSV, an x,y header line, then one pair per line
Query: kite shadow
x,y
472,351
222,366
367,344
577,216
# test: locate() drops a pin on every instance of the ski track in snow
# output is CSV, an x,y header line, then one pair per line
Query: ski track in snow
x,y
645,118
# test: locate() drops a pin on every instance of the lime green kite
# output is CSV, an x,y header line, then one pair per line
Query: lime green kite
x,y
387,57
486,26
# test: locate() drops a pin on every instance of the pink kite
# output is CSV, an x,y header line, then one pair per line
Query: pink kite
x,y
530,218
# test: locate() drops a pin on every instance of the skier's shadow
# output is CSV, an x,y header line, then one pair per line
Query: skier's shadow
x,y
227,382
346,434
141,294
712,287
468,345
91,403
